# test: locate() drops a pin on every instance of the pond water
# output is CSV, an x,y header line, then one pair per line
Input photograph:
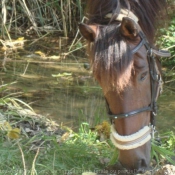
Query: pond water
x,y
63,91
66,92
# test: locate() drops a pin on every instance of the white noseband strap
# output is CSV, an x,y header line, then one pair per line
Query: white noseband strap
x,y
131,141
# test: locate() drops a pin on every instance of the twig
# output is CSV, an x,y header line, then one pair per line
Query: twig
x,y
75,50
53,160
64,19
39,39
28,13
170,81
170,47
33,164
4,12
76,35
23,160
26,68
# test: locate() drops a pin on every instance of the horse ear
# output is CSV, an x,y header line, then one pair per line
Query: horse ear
x,y
129,28
88,31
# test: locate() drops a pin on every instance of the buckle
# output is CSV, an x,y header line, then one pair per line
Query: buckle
x,y
153,131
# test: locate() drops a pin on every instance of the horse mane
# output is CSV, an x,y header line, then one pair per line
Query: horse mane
x,y
110,55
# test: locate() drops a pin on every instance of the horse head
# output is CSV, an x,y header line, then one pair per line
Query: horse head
x,y
124,63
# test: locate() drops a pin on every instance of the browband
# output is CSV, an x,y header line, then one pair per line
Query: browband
x,y
124,13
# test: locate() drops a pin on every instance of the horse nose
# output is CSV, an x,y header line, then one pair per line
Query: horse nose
x,y
142,166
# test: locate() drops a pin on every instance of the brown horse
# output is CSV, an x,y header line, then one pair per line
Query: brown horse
x,y
120,37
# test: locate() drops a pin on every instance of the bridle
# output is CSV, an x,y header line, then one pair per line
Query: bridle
x,y
155,79
144,135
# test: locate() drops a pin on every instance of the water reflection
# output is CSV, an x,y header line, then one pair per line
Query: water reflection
x,y
63,91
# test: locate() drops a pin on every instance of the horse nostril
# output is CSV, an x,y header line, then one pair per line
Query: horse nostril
x,y
142,166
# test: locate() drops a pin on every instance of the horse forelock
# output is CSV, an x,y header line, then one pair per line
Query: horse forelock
x,y
110,55
111,59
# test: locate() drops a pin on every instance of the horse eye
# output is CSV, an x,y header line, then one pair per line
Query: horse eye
x,y
143,76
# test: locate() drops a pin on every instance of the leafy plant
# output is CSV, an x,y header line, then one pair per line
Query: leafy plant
x,y
164,149
41,16
167,41
11,99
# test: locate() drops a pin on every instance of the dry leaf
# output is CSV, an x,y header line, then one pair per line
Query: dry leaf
x,y
40,53
6,126
14,133
103,130
65,136
20,39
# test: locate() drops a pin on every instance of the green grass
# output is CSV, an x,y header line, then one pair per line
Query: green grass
x,y
164,151
166,41
81,152
46,151
41,149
